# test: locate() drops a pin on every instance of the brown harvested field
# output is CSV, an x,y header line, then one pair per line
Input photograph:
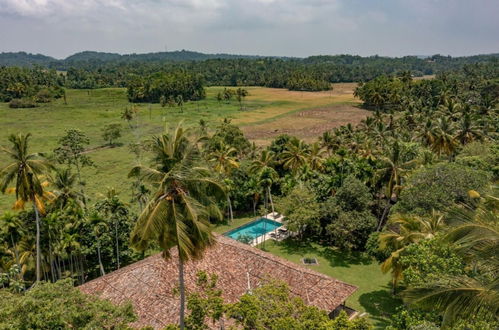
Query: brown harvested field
x,y
280,102
306,116
307,124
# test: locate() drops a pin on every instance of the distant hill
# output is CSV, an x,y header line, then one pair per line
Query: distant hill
x,y
24,59
91,61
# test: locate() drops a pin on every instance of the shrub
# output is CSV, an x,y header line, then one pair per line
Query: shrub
x,y
22,103
43,96
111,133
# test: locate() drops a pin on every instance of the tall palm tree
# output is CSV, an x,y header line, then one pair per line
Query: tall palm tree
x,y
316,157
392,171
178,212
63,182
99,226
25,169
224,161
266,174
426,133
329,141
444,141
117,212
467,131
295,155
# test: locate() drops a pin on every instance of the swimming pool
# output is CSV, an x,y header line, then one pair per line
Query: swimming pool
x,y
254,229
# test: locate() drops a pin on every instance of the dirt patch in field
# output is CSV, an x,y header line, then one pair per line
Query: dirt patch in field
x,y
307,125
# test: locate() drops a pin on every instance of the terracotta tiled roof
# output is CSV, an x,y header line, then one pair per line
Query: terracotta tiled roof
x,y
150,284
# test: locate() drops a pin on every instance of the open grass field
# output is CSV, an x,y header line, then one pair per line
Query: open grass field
x,y
266,113
373,295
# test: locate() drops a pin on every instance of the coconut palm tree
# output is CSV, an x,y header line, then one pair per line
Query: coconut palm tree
x,y
265,173
224,161
426,133
295,155
467,131
63,182
329,141
392,171
140,194
316,157
178,212
25,170
444,141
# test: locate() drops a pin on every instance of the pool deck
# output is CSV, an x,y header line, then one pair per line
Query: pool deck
x,y
272,216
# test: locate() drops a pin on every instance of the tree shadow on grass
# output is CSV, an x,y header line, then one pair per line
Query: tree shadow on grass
x,y
339,258
380,304
292,246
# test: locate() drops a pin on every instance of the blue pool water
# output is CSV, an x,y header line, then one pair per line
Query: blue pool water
x,y
254,229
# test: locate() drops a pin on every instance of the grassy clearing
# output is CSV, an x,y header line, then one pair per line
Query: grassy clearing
x,y
373,294
91,110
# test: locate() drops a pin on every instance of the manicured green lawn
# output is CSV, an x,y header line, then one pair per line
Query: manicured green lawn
x,y
373,294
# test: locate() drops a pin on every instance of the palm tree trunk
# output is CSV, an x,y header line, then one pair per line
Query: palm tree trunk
x,y
117,243
51,260
182,291
391,202
231,215
270,198
381,222
38,252
254,207
102,272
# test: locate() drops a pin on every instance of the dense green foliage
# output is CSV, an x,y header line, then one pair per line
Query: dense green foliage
x,y
271,306
60,306
429,260
301,74
440,186
165,85
95,70
25,87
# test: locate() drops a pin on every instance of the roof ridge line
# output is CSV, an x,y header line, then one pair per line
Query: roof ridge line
x,y
274,258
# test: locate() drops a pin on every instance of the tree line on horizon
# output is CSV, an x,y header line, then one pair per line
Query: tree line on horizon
x,y
98,70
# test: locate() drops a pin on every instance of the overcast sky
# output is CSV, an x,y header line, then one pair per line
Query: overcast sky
x,y
264,27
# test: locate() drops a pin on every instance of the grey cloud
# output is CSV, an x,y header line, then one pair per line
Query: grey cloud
x,y
268,27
